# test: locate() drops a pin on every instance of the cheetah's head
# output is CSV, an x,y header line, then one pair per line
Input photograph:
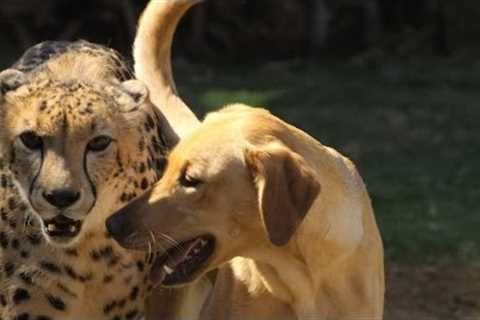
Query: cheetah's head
x,y
77,149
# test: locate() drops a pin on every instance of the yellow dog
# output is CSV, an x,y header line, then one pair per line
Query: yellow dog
x,y
246,184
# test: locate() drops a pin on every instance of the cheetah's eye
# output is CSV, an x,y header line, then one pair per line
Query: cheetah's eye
x,y
99,143
31,140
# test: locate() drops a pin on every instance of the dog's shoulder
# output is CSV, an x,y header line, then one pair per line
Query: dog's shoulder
x,y
236,111
252,120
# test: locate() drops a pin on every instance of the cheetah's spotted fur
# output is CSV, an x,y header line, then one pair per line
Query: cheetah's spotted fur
x,y
93,278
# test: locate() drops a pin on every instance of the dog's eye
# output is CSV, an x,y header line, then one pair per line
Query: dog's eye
x,y
31,140
189,181
99,143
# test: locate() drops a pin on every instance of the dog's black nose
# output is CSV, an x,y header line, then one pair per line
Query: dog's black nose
x,y
127,221
61,198
119,225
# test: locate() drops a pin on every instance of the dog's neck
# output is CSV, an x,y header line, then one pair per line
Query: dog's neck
x,y
284,274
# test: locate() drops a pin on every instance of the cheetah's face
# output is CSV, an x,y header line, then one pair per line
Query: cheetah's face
x,y
66,147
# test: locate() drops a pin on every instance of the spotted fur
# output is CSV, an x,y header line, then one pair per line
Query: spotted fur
x,y
71,92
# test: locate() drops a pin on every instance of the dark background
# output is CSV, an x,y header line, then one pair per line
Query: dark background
x,y
392,84
243,31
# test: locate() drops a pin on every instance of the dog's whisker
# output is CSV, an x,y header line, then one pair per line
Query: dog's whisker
x,y
172,244
152,234
170,240
131,236
150,243
136,241
26,222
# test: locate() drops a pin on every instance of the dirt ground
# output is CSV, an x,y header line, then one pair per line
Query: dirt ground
x,y
433,292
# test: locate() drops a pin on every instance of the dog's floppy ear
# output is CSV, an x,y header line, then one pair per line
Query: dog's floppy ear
x,y
286,188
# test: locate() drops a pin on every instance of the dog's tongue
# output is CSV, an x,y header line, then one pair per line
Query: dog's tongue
x,y
162,268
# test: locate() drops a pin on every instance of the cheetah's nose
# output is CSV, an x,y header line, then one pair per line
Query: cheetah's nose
x,y
61,198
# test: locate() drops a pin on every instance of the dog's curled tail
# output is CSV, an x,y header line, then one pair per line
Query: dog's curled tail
x,y
152,55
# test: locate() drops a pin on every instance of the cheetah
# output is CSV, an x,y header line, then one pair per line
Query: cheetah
x,y
78,140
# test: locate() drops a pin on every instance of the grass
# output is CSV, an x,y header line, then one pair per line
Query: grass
x,y
412,129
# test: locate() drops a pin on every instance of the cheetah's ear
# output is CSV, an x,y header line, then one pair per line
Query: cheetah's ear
x,y
133,96
130,94
136,89
10,80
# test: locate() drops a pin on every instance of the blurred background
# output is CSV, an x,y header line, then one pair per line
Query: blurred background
x,y
393,84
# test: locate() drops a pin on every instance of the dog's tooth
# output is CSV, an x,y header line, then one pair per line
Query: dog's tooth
x,y
203,243
196,251
167,269
51,227
72,228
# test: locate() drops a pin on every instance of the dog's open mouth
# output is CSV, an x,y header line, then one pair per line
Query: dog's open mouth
x,y
181,263
62,227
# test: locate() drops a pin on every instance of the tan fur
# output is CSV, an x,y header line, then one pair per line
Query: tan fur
x,y
284,183
295,213
82,66
152,55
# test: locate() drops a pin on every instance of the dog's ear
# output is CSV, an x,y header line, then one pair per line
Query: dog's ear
x,y
286,188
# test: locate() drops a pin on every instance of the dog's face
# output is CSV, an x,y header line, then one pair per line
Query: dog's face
x,y
219,197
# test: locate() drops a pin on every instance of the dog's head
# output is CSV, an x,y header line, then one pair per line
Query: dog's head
x,y
223,193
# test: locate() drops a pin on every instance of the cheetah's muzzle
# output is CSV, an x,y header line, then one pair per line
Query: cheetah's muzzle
x,y
181,263
62,227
